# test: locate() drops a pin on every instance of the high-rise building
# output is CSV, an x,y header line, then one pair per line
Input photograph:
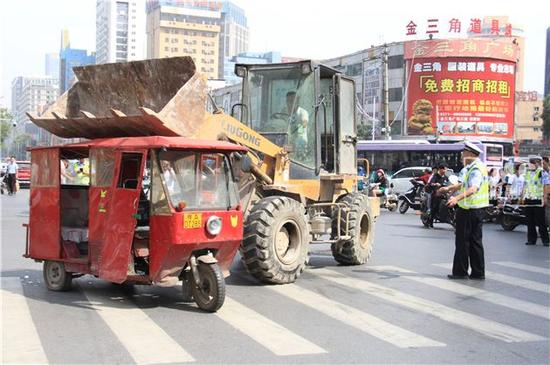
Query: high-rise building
x,y
32,94
52,65
246,58
185,28
120,30
69,58
547,63
233,35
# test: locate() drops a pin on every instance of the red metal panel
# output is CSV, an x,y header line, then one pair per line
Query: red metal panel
x,y
99,207
44,215
119,233
171,244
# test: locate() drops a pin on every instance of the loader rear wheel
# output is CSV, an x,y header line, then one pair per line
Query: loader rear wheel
x,y
276,237
55,276
357,249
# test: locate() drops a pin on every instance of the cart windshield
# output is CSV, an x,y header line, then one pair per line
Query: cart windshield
x,y
194,180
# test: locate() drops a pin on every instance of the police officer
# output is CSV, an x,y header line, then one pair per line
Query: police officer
x,y
533,198
473,197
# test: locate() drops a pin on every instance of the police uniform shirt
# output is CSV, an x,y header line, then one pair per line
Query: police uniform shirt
x,y
545,178
475,178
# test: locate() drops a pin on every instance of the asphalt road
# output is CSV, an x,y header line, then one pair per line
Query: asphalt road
x,y
399,308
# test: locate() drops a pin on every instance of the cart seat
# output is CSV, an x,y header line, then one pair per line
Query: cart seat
x,y
74,234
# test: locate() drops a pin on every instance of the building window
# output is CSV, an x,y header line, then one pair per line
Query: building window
x,y
395,94
395,62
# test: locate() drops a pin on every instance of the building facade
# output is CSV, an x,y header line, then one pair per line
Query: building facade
x,y
185,29
528,117
246,58
120,30
547,65
233,34
52,65
32,94
69,58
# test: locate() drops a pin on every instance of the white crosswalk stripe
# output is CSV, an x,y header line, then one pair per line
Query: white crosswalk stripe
x,y
531,268
355,318
266,332
481,294
476,323
144,340
20,341
507,279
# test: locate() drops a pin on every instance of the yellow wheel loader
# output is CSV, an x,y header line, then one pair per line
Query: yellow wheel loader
x,y
297,184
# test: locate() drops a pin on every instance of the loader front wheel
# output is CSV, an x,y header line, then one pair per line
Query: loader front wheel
x,y
276,237
356,249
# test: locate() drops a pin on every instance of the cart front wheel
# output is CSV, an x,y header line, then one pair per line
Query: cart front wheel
x,y
55,276
210,293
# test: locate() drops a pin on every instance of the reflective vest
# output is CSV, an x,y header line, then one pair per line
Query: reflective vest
x,y
82,179
480,199
533,184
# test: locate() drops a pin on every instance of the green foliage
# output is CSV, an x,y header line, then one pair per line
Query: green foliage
x,y
364,131
5,125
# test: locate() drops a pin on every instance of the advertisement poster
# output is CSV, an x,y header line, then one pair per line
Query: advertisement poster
x,y
461,97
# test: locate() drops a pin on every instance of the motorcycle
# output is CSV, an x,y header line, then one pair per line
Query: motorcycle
x,y
388,200
444,214
412,198
512,216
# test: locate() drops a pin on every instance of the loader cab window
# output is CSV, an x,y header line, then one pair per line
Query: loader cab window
x,y
281,103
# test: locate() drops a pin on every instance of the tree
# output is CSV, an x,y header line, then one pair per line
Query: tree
x,y
546,118
5,125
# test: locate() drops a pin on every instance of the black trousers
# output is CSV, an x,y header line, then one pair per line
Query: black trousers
x,y
11,179
536,218
468,242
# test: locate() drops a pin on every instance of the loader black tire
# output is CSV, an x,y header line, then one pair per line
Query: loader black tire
x,y
356,250
276,238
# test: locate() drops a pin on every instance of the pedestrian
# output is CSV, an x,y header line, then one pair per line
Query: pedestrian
x,y
516,184
533,198
82,172
438,180
494,179
473,198
11,172
546,184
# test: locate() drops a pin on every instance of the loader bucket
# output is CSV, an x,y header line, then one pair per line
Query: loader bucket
x,y
152,97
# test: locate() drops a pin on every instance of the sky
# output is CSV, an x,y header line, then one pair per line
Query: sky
x,y
296,28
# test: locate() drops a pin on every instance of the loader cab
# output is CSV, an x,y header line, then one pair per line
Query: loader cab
x,y
306,107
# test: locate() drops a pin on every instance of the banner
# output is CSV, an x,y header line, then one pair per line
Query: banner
x,y
459,96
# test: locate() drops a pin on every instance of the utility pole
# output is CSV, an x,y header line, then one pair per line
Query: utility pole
x,y
386,92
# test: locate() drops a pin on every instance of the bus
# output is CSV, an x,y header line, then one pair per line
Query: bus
x,y
395,155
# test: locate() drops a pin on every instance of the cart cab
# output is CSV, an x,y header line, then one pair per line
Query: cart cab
x,y
139,209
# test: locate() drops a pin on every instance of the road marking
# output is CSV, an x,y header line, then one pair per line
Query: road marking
x,y
353,317
144,340
510,280
481,294
531,268
479,324
276,338
20,340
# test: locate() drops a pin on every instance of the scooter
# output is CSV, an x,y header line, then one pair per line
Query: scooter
x,y
388,200
412,198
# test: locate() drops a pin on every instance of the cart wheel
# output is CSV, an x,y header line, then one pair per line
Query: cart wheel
x,y
55,276
187,287
210,293
403,207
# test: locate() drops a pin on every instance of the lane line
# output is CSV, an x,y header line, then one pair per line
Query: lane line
x,y
144,340
353,317
276,338
531,268
507,279
481,294
476,323
20,340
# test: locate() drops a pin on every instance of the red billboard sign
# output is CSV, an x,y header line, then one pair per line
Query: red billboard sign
x,y
460,97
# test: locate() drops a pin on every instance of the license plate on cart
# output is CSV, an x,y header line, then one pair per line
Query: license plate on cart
x,y
192,220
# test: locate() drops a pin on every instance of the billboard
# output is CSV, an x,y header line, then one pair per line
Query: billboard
x,y
460,97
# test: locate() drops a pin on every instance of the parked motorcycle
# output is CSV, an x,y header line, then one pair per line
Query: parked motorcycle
x,y
412,198
512,216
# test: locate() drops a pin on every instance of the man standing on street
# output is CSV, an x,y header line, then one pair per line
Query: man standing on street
x,y
11,178
472,200
533,198
546,184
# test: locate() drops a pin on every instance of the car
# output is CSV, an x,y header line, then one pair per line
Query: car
x,y
400,181
24,173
